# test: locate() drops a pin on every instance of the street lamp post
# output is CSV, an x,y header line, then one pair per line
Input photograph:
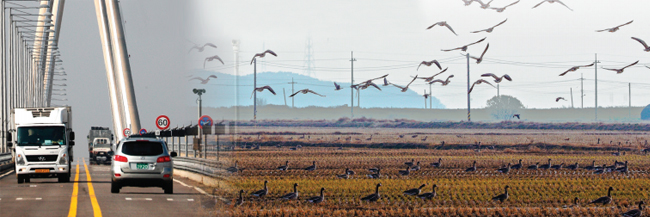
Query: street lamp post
x,y
199,92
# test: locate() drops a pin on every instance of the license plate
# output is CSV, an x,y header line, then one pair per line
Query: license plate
x,y
142,166
42,170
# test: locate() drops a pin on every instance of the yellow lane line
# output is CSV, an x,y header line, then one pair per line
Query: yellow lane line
x,y
91,191
75,192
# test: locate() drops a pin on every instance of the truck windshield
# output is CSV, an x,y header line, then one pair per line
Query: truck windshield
x,y
102,143
41,136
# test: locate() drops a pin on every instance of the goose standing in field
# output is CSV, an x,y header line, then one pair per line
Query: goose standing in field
x,y
573,166
645,46
375,175
305,91
200,48
344,175
623,169
471,169
479,81
425,137
444,83
263,192
443,23
413,136
635,212
610,168
373,197
261,55
575,203
406,88
605,199
429,63
374,170
429,195
553,1
405,172
575,68
497,79
260,89
284,167
558,167
409,163
546,166
204,81
292,195
619,71
489,30
210,59
614,29
517,166
414,191
349,171
601,170
592,167
233,169
416,167
619,163
480,59
504,169
437,164
534,167
317,199
502,197
312,167
464,47
504,7
240,199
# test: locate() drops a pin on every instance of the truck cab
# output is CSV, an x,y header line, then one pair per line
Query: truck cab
x,y
43,143
100,151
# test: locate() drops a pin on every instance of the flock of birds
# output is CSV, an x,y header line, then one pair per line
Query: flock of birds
x,y
417,192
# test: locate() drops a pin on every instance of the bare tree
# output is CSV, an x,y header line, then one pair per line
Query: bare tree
x,y
503,107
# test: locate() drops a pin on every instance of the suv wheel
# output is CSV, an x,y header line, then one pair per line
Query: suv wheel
x,y
169,187
115,188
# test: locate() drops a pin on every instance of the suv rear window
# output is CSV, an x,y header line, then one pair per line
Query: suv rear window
x,y
139,148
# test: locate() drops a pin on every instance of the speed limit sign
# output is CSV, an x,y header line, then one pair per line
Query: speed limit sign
x,y
162,122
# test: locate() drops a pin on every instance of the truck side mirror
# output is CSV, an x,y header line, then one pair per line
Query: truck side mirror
x,y
9,139
71,143
72,135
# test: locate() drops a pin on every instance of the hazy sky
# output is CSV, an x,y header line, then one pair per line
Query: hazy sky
x,y
534,46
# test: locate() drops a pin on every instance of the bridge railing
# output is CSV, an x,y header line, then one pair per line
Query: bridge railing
x,y
6,161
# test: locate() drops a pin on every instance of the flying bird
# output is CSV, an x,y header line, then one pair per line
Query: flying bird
x,y
488,30
614,29
647,67
645,46
443,23
497,79
559,98
553,1
573,69
306,91
204,81
484,5
209,59
479,81
468,2
263,54
337,87
429,79
386,83
464,48
404,89
619,71
260,89
444,83
516,116
368,84
200,48
430,63
504,7
480,59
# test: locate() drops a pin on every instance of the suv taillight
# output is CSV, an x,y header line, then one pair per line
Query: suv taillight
x,y
163,159
120,158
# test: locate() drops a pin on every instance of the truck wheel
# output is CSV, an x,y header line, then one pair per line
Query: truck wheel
x,y
115,188
169,188
20,179
64,177
27,180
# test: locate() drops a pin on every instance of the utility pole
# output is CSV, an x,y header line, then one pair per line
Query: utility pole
x,y
629,89
571,97
596,84
425,98
352,59
582,93
430,97
284,94
291,91
498,89
254,89
468,105
358,98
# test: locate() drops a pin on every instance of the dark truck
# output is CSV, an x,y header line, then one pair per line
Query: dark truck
x,y
100,140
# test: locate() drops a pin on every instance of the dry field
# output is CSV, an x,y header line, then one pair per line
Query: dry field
x,y
542,192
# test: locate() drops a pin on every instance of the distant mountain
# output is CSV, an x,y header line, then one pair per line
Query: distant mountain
x,y
221,92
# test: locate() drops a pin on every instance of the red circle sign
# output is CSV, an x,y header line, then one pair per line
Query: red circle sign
x,y
126,132
162,122
205,121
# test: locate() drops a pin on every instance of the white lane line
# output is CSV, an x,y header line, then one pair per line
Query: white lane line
x,y
147,198
170,199
181,200
128,198
190,199
32,186
22,199
131,199
6,174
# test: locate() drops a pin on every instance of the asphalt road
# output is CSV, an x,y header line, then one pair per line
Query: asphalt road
x,y
90,195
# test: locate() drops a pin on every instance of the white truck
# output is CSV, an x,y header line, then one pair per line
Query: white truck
x,y
43,143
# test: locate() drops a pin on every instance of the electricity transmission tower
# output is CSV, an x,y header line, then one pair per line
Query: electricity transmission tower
x,y
309,63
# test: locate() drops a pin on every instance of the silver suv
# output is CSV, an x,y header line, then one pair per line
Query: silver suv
x,y
142,162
